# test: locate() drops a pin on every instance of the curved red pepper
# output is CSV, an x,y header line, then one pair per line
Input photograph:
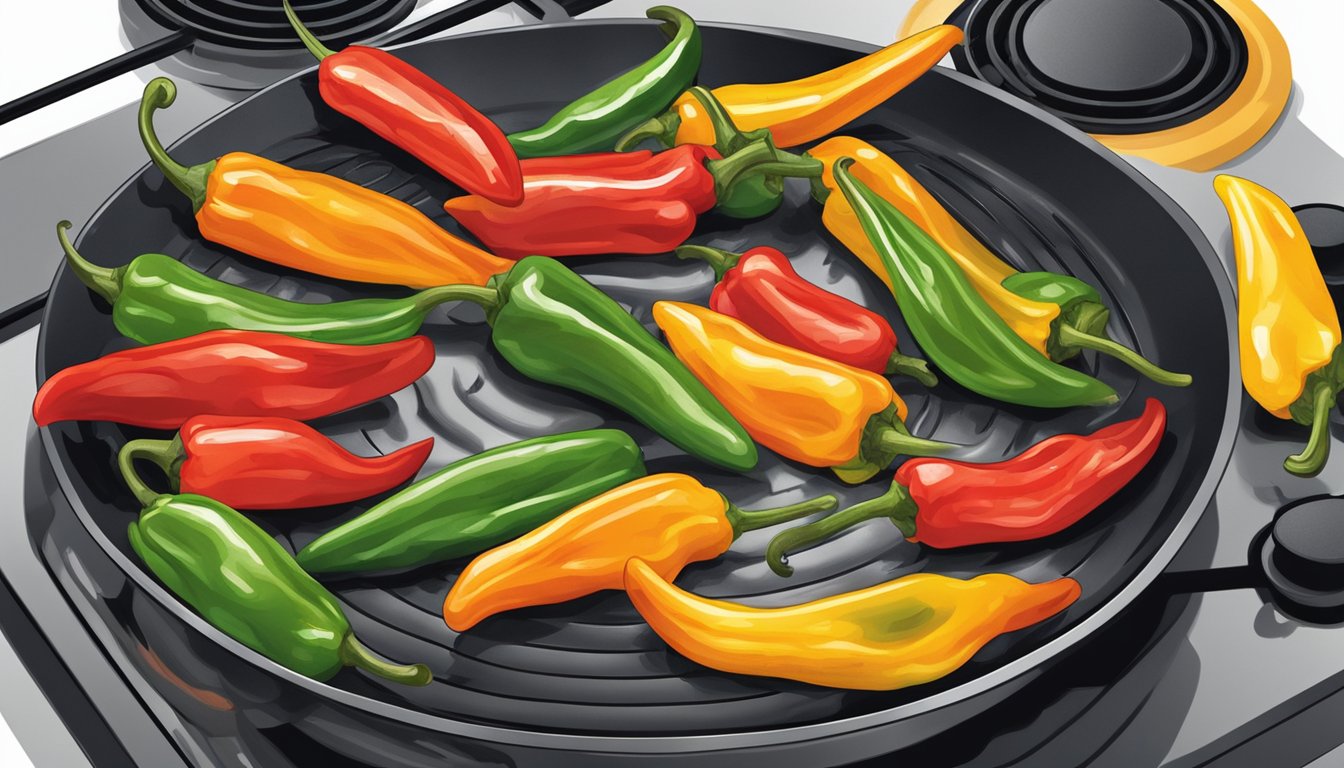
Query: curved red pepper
x,y
230,373
250,462
415,112
591,204
1040,492
761,289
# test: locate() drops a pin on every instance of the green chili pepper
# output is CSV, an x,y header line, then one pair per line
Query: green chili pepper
x,y
246,585
593,122
557,328
1082,322
954,326
157,298
479,502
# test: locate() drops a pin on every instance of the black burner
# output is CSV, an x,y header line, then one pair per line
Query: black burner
x,y
1108,67
1302,555
261,25
1324,226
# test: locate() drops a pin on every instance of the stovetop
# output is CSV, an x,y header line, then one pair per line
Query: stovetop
x,y
1203,669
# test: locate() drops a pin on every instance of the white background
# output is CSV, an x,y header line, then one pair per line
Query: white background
x,y
52,39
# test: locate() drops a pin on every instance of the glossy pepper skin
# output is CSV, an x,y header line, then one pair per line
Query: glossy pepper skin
x,y
955,328
802,406
593,122
246,585
668,520
1286,321
1040,492
557,328
637,202
229,373
249,462
477,503
805,110
156,298
312,221
1058,315
761,289
912,630
415,112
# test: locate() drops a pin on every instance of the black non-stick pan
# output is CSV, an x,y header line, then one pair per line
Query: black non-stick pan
x,y
587,679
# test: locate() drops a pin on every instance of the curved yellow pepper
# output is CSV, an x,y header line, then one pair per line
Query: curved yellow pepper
x,y
1029,319
1287,324
804,110
797,404
913,630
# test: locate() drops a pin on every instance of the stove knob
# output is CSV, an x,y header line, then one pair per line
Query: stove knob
x,y
1324,225
1303,559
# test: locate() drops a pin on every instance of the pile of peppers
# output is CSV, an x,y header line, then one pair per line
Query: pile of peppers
x,y
231,376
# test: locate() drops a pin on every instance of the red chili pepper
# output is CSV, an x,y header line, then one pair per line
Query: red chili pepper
x,y
1042,491
415,112
761,289
249,462
602,203
230,373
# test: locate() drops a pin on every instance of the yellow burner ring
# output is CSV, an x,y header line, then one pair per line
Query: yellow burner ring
x,y
1212,139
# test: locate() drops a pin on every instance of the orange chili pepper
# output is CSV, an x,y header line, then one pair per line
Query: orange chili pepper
x,y
909,631
802,406
312,221
804,110
669,520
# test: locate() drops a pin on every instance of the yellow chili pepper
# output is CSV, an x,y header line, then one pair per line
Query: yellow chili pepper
x,y
802,406
1058,315
1287,323
669,520
804,110
913,630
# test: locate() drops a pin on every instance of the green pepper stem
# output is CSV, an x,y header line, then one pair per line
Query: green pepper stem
x,y
1072,337
159,93
727,136
485,297
893,440
662,129
355,654
905,365
720,260
1311,460
744,520
104,281
167,454
758,157
895,505
310,40
819,189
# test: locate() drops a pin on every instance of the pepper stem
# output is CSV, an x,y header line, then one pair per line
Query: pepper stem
x,y
662,129
310,40
744,520
895,505
905,365
166,454
355,654
485,297
755,158
104,281
159,93
717,258
1311,460
902,443
727,136
1072,337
